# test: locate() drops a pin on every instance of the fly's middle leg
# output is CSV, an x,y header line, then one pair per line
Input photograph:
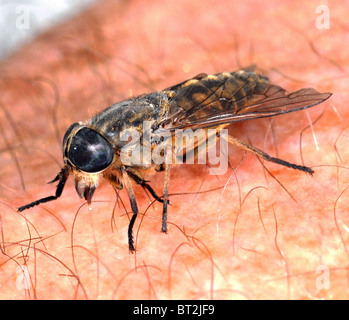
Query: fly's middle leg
x,y
165,199
132,197
144,184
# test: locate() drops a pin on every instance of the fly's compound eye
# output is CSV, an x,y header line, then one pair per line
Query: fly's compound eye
x,y
89,151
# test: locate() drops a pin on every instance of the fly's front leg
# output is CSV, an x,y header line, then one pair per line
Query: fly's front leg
x,y
132,197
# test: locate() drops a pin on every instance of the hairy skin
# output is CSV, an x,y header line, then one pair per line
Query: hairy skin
x,y
251,237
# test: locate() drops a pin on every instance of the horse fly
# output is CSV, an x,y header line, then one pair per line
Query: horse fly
x,y
96,148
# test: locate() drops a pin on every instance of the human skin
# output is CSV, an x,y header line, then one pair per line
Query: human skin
x,y
244,235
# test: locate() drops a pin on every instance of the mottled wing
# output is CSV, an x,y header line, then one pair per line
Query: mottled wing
x,y
209,101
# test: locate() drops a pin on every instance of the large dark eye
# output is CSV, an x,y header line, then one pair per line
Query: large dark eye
x,y
89,151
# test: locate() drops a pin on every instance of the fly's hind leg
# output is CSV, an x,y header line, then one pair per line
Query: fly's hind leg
x,y
266,157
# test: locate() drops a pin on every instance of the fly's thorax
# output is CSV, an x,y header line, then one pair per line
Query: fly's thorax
x,y
128,116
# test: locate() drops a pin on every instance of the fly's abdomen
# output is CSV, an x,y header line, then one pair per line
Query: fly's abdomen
x,y
214,94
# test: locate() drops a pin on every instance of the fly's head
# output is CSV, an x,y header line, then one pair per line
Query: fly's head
x,y
87,154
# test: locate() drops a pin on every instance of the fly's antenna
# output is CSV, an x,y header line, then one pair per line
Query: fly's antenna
x,y
62,177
